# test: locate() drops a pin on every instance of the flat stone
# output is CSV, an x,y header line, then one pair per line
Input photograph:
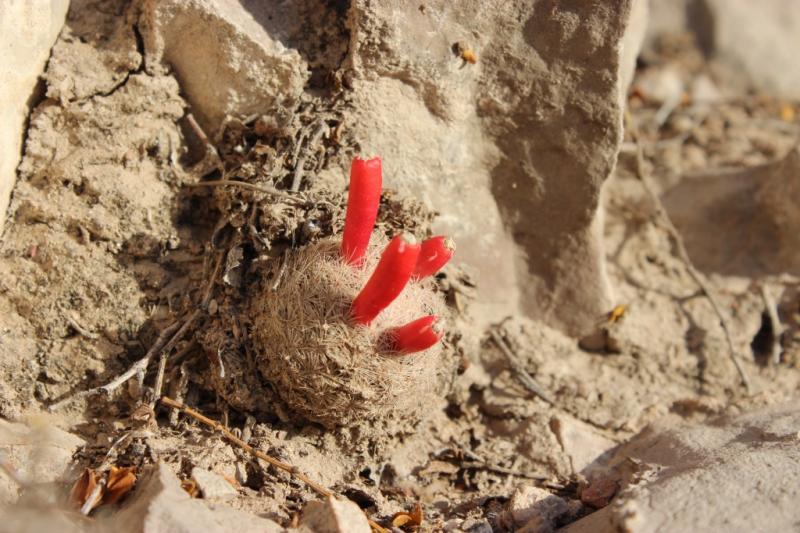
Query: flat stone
x,y
160,504
38,452
740,473
213,486
580,442
334,516
532,504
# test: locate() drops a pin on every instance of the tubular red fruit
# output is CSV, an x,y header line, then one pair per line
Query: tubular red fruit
x,y
415,336
388,280
434,254
362,208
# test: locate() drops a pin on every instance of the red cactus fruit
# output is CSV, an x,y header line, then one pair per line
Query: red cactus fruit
x,y
362,208
434,254
415,336
390,277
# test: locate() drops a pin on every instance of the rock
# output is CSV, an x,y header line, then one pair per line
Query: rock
x,y
535,508
28,29
754,40
213,486
778,198
512,150
226,61
757,40
739,473
598,493
38,452
477,526
334,516
580,442
763,203
160,504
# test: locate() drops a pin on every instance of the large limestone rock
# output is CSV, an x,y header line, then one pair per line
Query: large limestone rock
x,y
731,474
512,150
28,29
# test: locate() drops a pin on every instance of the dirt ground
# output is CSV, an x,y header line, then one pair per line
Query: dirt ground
x,y
109,245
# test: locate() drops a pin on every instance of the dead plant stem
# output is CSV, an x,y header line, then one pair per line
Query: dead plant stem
x,y
683,255
289,469
245,185
524,377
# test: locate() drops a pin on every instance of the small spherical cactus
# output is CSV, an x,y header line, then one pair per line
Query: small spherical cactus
x,y
350,335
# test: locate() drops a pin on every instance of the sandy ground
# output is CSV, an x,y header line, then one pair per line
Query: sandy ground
x,y
107,247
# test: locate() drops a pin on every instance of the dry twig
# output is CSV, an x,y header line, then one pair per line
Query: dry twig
x,y
777,327
683,255
526,379
166,341
89,504
245,185
162,362
289,469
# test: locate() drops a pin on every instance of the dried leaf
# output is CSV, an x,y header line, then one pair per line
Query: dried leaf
x,y
83,488
120,482
190,486
787,113
411,520
401,519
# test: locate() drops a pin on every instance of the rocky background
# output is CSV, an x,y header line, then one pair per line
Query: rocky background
x,y
623,183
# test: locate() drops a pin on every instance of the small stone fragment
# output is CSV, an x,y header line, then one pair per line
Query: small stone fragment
x,y
529,503
39,452
213,486
599,492
160,504
579,441
334,516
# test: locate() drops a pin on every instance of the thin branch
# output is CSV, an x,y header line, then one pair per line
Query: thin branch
x,y
683,255
526,379
289,469
777,327
162,363
245,185
166,340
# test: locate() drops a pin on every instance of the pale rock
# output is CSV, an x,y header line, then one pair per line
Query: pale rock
x,y
226,62
28,29
739,473
334,516
535,506
756,39
213,486
513,150
704,91
160,504
38,452
661,84
580,442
